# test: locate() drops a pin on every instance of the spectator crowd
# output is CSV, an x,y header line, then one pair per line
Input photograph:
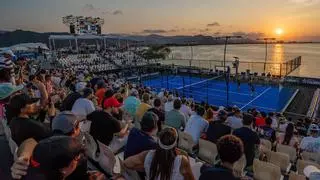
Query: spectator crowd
x,y
63,124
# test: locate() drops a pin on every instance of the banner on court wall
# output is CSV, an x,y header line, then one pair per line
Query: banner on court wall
x,y
302,80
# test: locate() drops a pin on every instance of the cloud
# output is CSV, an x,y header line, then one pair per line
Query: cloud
x,y
154,31
204,30
89,7
92,8
117,12
213,24
251,35
305,2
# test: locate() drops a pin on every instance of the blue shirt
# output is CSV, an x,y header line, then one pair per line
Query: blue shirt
x,y
138,141
195,126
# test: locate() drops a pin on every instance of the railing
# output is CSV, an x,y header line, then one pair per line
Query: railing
x,y
278,69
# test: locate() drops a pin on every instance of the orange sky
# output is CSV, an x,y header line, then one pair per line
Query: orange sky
x,y
297,18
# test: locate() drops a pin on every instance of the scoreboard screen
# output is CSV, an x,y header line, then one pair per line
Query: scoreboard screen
x,y
84,25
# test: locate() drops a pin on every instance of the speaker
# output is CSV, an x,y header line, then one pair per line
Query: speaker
x,y
98,29
72,29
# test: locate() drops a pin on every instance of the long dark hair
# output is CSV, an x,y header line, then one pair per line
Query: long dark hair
x,y
289,134
163,160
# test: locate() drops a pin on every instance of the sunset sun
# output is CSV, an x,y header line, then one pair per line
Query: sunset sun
x,y
279,31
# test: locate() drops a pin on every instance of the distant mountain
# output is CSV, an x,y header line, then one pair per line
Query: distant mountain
x,y
20,36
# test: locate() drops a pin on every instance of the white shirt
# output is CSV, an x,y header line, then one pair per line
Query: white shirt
x,y
186,110
175,173
234,122
195,126
168,106
274,124
310,144
83,107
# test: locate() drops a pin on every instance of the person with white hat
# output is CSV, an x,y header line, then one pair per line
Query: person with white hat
x,y
7,66
312,142
312,172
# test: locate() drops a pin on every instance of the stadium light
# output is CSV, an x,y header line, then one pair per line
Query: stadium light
x,y
266,56
226,38
227,73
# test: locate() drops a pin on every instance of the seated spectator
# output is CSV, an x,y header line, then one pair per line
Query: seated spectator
x,y
142,140
175,118
132,103
267,132
186,110
312,142
66,123
69,101
163,162
218,128
250,138
235,121
210,116
55,158
84,105
102,121
260,119
101,89
197,124
288,137
22,126
312,172
144,106
230,150
159,112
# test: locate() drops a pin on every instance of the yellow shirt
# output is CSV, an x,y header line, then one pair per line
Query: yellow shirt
x,y
143,108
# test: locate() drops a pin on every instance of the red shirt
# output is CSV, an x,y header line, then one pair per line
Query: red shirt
x,y
100,95
260,121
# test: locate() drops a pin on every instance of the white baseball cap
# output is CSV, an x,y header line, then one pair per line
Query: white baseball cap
x,y
311,170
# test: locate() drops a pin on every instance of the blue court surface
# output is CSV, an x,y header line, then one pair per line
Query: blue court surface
x,y
265,97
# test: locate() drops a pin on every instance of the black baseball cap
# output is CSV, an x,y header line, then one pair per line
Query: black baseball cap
x,y
56,152
21,100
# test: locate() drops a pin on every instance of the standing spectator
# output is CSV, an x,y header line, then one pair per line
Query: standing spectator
x,y
186,110
312,142
168,106
250,139
230,150
218,128
288,137
235,121
142,140
197,124
48,83
274,124
175,118
22,126
6,70
268,132
7,66
159,112
164,162
144,106
43,94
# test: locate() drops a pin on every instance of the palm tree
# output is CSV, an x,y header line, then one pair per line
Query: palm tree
x,y
156,52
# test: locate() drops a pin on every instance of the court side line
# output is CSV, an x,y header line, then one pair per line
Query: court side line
x,y
198,82
255,98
